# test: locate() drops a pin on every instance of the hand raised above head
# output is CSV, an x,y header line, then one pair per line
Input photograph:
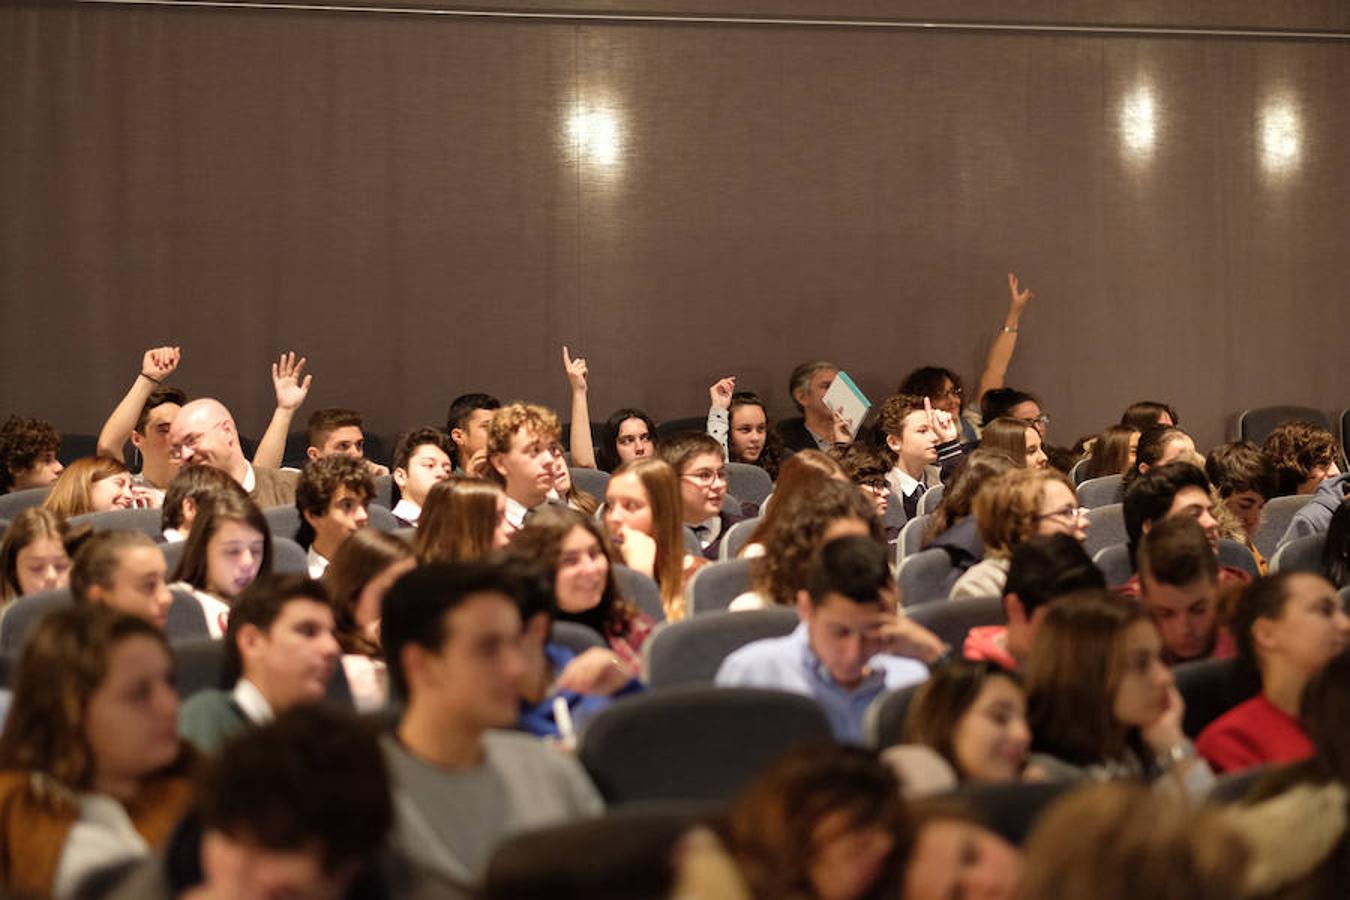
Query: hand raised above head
x,y
941,422
720,393
160,362
576,370
291,390
1019,298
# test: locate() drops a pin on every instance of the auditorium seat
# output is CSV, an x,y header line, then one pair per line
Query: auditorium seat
x,y
924,577
1235,554
884,722
1101,491
749,483
930,499
636,859
592,481
641,590
77,446
1106,526
1300,555
692,650
737,537
1255,424
1275,519
1211,687
671,427
575,637
714,586
15,502
185,617
1114,563
146,521
694,742
911,537
952,620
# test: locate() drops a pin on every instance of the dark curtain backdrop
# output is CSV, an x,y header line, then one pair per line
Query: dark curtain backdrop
x,y
431,204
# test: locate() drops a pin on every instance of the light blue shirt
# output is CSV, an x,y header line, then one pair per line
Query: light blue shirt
x,y
789,664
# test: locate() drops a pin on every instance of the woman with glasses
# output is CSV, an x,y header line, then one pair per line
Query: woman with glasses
x,y
642,516
1012,508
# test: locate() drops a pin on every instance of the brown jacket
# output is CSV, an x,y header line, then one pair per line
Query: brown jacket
x,y
36,815
274,487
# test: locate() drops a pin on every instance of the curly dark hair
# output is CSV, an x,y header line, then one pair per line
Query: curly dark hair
x,y
319,482
1297,449
796,533
22,440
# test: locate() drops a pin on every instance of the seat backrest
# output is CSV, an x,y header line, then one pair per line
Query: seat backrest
x,y
1106,526
381,519
731,506
1275,518
384,491
288,557
26,612
884,722
694,742
1078,472
1101,491
284,521
714,586
748,482
575,637
642,590
1300,555
671,427
691,544
186,618
1115,565
77,446
592,481
894,517
923,577
911,537
1232,553
692,650
561,861
146,521
1255,424
1211,687
197,665
953,619
1233,786
296,452
15,502
737,536
1010,809
930,499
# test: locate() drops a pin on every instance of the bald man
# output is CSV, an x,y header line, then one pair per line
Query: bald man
x,y
203,434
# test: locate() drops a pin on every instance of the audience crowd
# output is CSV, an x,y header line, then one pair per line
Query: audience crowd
x,y
228,677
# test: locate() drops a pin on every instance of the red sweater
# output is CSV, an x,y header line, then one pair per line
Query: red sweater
x,y
1252,734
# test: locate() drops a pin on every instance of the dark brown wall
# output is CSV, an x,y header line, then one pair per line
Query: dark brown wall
x,y
399,197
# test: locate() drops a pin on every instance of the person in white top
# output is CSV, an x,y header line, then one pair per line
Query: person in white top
x,y
421,459
520,457
333,498
229,546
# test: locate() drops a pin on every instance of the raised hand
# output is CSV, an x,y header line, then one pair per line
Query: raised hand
x,y
291,390
941,421
843,434
1020,298
576,371
720,394
159,363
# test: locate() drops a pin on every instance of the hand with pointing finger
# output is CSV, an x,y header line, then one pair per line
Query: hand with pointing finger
x,y
720,393
576,371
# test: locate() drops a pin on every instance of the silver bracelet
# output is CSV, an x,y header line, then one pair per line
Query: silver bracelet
x,y
1007,330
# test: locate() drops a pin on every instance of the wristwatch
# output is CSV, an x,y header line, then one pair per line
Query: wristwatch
x,y
1175,755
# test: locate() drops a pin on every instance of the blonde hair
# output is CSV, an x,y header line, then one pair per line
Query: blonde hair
x,y
1008,506
662,485
515,416
70,493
